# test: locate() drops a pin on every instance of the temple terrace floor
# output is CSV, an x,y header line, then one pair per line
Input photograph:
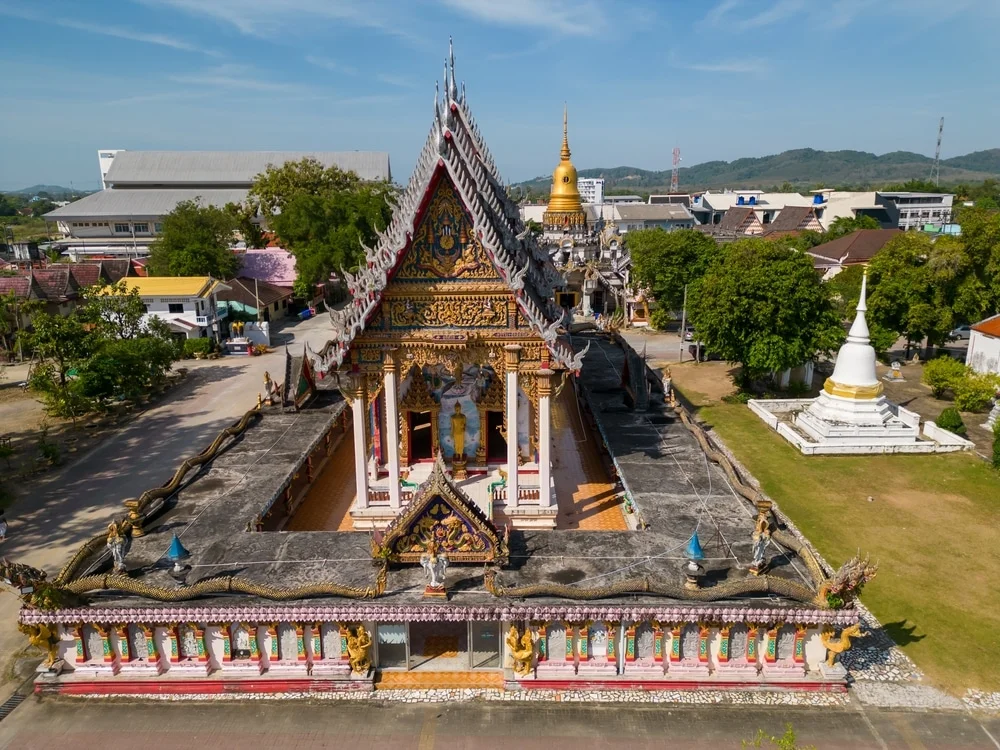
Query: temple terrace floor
x,y
584,490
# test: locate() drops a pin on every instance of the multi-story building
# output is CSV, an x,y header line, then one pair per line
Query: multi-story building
x,y
141,187
591,189
188,304
917,210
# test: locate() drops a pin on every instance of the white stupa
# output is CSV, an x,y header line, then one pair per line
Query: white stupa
x,y
853,394
851,414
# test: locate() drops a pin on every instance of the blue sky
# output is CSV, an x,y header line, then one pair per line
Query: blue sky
x,y
720,79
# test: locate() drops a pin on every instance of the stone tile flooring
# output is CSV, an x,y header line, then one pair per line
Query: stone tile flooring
x,y
327,504
585,491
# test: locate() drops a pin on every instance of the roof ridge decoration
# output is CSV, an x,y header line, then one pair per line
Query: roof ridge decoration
x,y
455,145
440,513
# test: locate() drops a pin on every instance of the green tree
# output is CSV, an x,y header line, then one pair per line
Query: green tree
x,y
61,342
249,229
847,224
324,215
115,310
942,374
14,313
277,185
664,262
900,300
763,306
196,240
127,368
845,291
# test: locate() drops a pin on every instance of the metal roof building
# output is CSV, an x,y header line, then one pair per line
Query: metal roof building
x,y
229,168
140,187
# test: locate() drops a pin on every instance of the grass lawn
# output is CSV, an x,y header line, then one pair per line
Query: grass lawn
x,y
934,527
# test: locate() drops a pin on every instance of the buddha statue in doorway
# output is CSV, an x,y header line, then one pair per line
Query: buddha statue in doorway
x,y
458,462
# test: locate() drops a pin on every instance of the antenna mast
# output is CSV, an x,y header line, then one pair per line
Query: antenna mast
x,y
936,167
673,175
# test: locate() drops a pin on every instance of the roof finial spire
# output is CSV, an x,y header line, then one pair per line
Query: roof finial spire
x,y
453,82
564,153
859,329
437,105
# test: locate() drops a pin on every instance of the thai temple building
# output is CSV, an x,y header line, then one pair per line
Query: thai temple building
x,y
457,484
852,414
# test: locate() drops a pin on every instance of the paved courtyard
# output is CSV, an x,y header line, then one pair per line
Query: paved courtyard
x,y
240,725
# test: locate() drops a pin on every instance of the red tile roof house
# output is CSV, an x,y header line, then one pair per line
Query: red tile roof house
x,y
55,286
983,354
832,257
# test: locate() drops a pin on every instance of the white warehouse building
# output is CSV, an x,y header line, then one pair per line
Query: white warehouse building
x,y
140,187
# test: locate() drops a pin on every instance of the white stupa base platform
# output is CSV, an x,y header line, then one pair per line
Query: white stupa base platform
x,y
797,421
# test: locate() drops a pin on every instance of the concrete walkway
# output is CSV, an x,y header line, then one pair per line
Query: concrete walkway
x,y
59,511
237,725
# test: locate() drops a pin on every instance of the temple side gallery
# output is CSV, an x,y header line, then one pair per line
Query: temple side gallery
x,y
462,480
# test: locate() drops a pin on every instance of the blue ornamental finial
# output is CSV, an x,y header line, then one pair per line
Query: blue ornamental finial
x,y
177,551
693,551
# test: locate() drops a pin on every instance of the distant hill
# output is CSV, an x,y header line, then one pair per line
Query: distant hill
x,y
803,168
54,190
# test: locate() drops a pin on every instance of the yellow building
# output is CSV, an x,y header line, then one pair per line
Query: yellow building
x,y
565,215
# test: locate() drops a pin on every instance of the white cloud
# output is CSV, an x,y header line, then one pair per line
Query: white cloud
x,y
332,65
749,65
104,29
241,77
575,18
270,18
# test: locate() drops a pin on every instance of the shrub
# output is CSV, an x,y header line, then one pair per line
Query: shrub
x,y
740,397
197,346
996,444
797,389
660,318
943,374
951,420
975,391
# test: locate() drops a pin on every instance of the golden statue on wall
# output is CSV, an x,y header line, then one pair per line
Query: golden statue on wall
x,y
458,420
359,646
522,650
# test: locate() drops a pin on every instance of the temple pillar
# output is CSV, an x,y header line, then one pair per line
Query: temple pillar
x,y
512,360
546,497
391,421
360,417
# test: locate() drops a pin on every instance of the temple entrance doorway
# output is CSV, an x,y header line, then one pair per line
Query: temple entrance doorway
x,y
598,302
496,446
421,436
439,646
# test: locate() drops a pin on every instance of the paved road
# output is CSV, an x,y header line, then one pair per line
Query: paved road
x,y
61,510
79,724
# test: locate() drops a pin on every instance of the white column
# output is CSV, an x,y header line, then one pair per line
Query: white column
x,y
360,464
392,429
546,497
513,356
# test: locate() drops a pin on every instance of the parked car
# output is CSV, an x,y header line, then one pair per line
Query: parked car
x,y
689,334
961,333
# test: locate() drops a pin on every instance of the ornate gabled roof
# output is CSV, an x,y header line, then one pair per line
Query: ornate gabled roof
x,y
300,383
441,514
455,147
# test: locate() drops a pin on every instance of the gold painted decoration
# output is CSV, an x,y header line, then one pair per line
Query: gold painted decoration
x,y
444,245
448,312
440,514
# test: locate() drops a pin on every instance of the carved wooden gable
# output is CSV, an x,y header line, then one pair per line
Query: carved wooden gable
x,y
441,514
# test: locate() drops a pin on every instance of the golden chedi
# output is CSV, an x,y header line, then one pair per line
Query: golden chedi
x,y
565,210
